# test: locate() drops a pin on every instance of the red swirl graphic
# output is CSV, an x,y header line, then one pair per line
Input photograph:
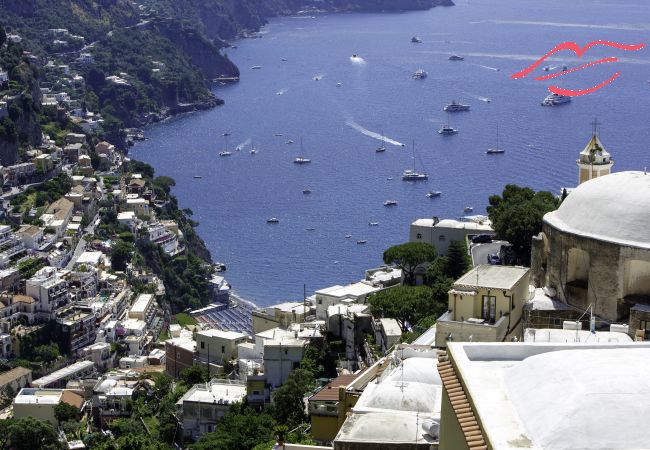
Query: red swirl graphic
x,y
579,51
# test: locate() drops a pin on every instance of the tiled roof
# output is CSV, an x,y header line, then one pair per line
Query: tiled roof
x,y
331,391
459,402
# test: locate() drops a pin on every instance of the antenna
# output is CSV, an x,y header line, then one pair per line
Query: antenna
x,y
595,124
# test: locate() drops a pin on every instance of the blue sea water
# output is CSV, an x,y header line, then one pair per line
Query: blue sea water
x,y
348,179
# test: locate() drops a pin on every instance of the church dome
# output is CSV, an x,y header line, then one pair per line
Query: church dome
x,y
613,208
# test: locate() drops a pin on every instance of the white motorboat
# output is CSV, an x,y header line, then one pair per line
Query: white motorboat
x,y
555,99
447,129
273,220
225,153
468,209
420,74
432,194
390,203
456,58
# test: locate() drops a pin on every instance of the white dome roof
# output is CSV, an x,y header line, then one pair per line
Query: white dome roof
x,y
583,399
613,208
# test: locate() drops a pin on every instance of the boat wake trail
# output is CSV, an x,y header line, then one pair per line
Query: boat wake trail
x,y
282,91
372,134
496,69
478,97
357,60
243,144
318,77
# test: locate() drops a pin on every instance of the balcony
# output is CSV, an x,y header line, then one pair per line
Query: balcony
x,y
470,330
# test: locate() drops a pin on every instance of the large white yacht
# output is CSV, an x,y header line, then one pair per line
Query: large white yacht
x,y
455,107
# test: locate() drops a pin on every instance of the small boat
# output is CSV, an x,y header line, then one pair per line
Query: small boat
x,y
468,209
496,150
564,68
253,151
456,58
547,68
339,84
256,67
455,107
317,77
432,194
278,134
447,130
373,224
348,236
306,191
225,153
390,203
390,178
416,40
273,220
289,142
310,229
198,177
420,74
380,149
284,59
555,99
361,241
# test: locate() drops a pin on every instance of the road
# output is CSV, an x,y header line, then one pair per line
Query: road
x,y
480,252
81,245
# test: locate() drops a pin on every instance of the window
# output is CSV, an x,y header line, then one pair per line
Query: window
x,y
223,349
202,344
441,237
489,308
419,236
320,302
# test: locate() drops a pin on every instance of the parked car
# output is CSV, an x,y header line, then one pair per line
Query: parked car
x,y
482,239
493,259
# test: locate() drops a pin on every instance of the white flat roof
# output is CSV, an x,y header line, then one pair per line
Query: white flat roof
x,y
351,290
182,342
492,276
91,258
215,392
126,215
28,396
66,372
298,307
391,327
141,303
574,336
557,396
229,335
455,224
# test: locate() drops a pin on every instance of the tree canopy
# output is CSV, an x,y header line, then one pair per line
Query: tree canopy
x,y
65,412
28,433
517,215
288,406
409,256
457,260
406,304
241,429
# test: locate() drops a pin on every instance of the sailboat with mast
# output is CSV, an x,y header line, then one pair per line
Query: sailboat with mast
x,y
253,149
496,150
301,159
412,175
447,129
225,152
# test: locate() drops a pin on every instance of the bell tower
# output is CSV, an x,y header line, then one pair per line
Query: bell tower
x,y
594,160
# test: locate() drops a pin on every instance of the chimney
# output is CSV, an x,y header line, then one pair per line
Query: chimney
x,y
435,220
